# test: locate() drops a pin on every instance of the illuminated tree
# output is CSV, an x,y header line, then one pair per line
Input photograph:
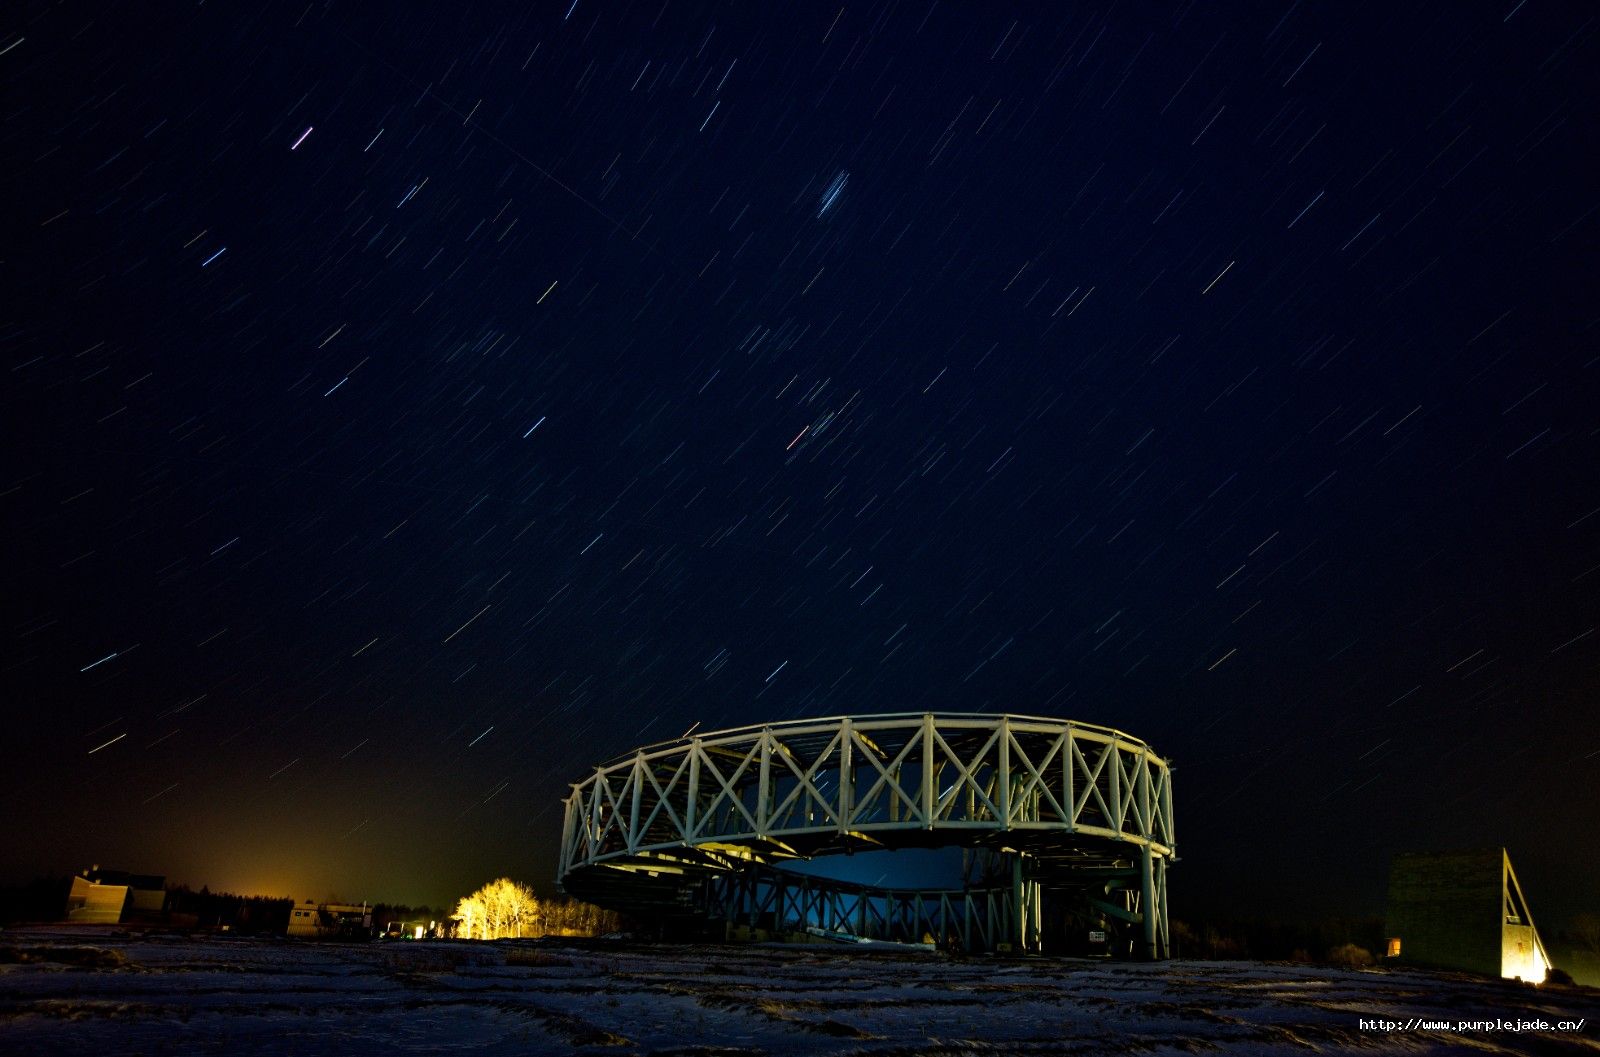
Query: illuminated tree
x,y
501,909
470,912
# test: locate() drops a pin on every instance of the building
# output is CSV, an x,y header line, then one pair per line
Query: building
x,y
109,897
330,920
1463,910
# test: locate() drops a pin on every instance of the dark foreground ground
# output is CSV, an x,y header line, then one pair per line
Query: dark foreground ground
x,y
73,991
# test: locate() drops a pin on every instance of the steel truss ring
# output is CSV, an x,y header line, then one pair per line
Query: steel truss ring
x,y
1068,800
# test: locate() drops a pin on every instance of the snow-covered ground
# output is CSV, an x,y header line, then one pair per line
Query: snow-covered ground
x,y
153,993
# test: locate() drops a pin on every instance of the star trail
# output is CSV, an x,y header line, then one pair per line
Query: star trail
x,y
407,408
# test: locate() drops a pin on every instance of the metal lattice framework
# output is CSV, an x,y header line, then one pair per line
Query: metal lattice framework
x,y
698,825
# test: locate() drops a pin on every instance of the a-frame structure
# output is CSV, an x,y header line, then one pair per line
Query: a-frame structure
x,y
1463,910
1522,953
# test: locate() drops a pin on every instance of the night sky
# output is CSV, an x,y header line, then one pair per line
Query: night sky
x,y
408,407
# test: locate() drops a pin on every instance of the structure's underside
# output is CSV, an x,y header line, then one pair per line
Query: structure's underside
x,y
1068,829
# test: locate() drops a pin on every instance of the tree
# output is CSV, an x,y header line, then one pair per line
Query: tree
x,y
501,909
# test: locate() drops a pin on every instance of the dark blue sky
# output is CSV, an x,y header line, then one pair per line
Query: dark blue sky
x,y
406,410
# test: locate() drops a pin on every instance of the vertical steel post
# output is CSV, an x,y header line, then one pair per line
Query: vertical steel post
x,y
764,785
1004,767
1147,901
567,820
1170,838
693,807
1114,758
633,811
1036,919
846,775
597,808
1069,784
1164,934
1146,819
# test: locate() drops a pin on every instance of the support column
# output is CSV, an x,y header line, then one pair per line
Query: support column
x,y
1019,916
1147,902
1163,932
1036,921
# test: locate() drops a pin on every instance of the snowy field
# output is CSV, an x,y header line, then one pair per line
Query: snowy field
x,y
81,991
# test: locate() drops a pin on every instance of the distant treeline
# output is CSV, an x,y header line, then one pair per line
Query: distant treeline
x,y
45,899
208,910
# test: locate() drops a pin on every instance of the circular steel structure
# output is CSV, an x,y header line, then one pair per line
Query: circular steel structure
x,y
703,824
